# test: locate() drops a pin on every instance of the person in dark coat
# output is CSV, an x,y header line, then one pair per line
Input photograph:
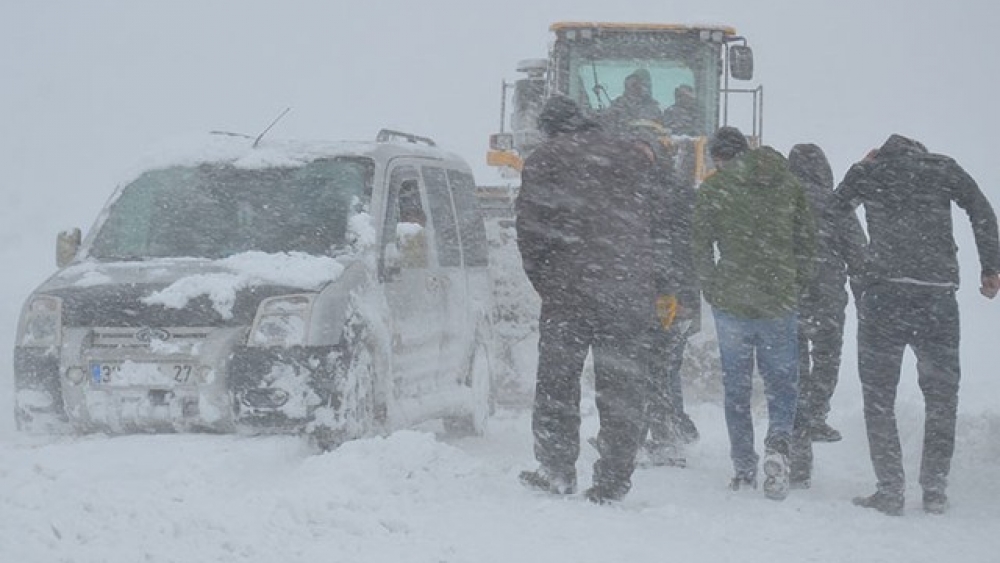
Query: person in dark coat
x,y
909,274
821,311
678,307
635,104
583,231
682,117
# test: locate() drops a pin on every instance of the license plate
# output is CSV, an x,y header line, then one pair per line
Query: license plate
x,y
139,374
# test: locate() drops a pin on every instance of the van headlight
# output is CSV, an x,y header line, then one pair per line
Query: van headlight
x,y
41,323
282,322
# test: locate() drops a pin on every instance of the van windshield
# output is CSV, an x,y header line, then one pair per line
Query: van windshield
x,y
216,210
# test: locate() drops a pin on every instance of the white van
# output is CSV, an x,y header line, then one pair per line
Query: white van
x,y
330,288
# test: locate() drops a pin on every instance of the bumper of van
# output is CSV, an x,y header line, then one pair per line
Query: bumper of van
x,y
277,389
38,392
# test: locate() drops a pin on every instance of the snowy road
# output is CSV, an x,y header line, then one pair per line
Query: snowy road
x,y
414,497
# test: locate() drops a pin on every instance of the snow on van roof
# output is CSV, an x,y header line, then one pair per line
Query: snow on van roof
x,y
239,150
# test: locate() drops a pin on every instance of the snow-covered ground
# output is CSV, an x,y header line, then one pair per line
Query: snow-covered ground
x,y
414,497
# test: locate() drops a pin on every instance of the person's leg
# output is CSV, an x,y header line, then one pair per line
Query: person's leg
x,y
778,363
800,455
684,427
562,348
736,353
621,356
659,408
937,351
882,335
827,344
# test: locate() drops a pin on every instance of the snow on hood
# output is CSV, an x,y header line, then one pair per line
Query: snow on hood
x,y
248,269
220,280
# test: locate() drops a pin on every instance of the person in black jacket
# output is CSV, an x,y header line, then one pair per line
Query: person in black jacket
x,y
678,307
821,311
584,234
909,275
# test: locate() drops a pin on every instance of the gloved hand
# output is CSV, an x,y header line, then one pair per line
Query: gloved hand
x,y
666,310
990,285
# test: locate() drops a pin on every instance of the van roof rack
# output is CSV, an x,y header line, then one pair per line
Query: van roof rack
x,y
387,135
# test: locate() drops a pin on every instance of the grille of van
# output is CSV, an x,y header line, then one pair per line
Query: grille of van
x,y
113,337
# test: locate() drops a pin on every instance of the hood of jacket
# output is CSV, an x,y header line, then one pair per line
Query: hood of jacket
x,y
761,167
808,162
898,146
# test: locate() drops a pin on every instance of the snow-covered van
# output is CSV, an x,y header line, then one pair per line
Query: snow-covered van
x,y
337,289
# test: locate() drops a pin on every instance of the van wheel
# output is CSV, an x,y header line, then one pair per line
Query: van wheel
x,y
480,382
349,410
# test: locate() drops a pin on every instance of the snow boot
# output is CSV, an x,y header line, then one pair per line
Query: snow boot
x,y
744,480
605,493
775,466
886,503
659,454
823,432
686,429
550,480
935,502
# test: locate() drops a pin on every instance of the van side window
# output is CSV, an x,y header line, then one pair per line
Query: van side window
x,y
411,234
411,210
443,216
470,219
404,238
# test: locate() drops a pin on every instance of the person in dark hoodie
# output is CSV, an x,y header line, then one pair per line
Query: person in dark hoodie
x,y
678,303
753,245
821,311
584,234
635,104
909,274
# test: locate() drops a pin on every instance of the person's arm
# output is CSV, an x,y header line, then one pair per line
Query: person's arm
x,y
533,201
804,243
969,197
852,242
704,235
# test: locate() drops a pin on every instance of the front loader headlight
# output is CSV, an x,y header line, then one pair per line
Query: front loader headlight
x,y
41,323
282,322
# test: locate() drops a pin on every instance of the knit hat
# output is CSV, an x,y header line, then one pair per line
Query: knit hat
x,y
728,142
562,115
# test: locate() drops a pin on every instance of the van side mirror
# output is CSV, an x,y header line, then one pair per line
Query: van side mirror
x,y
67,245
741,62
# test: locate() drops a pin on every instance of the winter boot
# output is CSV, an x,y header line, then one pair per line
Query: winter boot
x,y
664,454
823,432
886,503
604,493
743,480
935,502
776,482
685,428
550,480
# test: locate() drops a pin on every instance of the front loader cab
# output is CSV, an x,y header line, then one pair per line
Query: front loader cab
x,y
688,69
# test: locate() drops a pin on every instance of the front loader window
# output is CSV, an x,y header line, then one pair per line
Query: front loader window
x,y
593,72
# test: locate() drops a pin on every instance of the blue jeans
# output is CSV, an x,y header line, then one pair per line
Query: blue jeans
x,y
774,342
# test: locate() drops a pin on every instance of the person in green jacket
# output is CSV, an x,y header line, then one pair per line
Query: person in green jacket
x,y
754,239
